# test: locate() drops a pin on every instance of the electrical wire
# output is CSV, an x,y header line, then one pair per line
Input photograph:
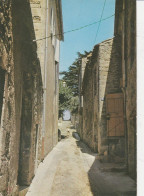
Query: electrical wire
x,y
100,21
77,29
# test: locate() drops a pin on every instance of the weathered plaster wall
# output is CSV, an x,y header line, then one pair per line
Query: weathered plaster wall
x,y
48,54
38,10
51,116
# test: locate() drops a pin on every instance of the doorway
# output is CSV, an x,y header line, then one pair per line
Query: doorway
x,y
115,115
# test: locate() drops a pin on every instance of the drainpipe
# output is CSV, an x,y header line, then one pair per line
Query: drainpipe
x,y
45,73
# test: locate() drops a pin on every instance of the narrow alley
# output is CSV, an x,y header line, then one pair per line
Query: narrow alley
x,y
68,98
72,169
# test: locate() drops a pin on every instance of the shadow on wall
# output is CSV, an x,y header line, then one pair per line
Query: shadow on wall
x,y
28,85
88,107
114,144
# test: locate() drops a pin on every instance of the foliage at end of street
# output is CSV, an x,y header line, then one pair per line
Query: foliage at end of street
x,y
68,87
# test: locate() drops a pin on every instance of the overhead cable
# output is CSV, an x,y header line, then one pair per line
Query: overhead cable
x,y
77,29
100,21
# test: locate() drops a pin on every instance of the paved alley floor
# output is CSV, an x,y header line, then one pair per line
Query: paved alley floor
x,y
71,169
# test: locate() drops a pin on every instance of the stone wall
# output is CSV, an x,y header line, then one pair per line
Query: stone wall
x,y
27,133
8,133
130,63
112,70
88,106
102,77
28,87
80,109
75,120
21,97
109,75
87,110
46,25
125,28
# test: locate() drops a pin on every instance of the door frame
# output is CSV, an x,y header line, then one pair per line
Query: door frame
x,y
115,95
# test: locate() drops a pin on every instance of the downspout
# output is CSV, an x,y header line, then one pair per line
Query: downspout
x,y
45,73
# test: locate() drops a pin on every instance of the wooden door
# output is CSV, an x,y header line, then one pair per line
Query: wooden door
x,y
115,114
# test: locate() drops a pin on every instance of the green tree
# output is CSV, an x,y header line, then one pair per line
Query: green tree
x,y
65,95
71,76
74,105
68,95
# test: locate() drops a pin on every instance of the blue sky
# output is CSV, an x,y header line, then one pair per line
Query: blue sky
x,y
77,13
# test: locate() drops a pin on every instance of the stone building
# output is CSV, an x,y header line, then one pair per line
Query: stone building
x,y
125,28
48,26
109,92
80,107
101,90
29,61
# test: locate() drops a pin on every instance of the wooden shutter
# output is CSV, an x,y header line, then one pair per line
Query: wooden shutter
x,y
115,114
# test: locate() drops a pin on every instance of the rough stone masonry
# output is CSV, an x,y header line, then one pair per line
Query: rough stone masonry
x,y
21,91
